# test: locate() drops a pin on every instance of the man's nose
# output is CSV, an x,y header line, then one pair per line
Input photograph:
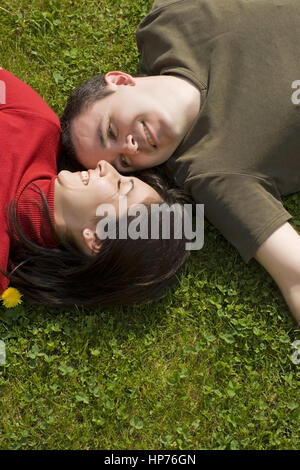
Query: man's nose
x,y
130,145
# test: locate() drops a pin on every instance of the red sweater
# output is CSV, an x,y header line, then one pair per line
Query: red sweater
x,y
29,145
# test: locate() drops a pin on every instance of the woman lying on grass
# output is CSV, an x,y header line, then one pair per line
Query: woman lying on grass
x,y
49,246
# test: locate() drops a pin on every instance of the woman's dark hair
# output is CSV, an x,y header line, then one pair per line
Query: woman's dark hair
x,y
83,96
125,271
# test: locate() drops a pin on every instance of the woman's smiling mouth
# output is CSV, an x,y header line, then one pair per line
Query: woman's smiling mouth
x,y
85,177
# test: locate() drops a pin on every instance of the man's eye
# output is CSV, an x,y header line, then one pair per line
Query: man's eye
x,y
124,163
110,133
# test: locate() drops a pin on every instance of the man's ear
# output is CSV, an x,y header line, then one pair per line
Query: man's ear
x,y
116,78
92,242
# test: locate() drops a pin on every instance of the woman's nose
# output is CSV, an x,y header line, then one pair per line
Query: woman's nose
x,y
107,169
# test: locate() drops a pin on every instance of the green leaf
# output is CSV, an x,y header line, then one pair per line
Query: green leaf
x,y
58,78
136,423
227,337
65,370
82,397
292,406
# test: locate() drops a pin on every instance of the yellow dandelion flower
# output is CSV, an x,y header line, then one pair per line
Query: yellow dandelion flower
x,y
11,297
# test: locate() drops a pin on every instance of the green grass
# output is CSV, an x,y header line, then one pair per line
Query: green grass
x,y
207,367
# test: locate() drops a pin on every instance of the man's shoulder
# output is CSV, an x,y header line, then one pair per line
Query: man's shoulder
x,y
163,3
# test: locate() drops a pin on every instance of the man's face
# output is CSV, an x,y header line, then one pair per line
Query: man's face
x,y
131,128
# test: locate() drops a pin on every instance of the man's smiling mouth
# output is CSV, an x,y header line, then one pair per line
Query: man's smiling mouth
x,y
148,136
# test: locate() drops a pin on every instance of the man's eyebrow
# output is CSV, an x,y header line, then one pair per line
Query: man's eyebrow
x,y
100,135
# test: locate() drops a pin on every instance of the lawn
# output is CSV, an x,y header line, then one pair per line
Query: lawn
x,y
207,367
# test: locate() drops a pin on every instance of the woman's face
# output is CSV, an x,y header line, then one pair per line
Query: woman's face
x,y
79,194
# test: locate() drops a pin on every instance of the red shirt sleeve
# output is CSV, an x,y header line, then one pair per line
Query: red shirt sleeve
x,y
29,146
16,95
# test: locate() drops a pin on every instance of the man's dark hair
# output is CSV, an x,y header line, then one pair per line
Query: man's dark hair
x,y
93,89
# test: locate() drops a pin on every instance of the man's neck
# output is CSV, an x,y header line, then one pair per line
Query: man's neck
x,y
190,95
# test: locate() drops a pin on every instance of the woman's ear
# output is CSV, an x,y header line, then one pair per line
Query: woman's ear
x,y
116,78
91,240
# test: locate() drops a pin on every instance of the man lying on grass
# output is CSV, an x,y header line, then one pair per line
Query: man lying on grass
x,y
214,105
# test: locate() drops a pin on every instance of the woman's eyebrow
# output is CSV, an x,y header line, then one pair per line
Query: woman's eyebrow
x,y
132,186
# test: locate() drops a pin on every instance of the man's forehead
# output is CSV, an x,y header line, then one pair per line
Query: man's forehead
x,y
87,119
84,130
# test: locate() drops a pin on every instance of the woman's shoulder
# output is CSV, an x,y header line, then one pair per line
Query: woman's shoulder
x,y
19,98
